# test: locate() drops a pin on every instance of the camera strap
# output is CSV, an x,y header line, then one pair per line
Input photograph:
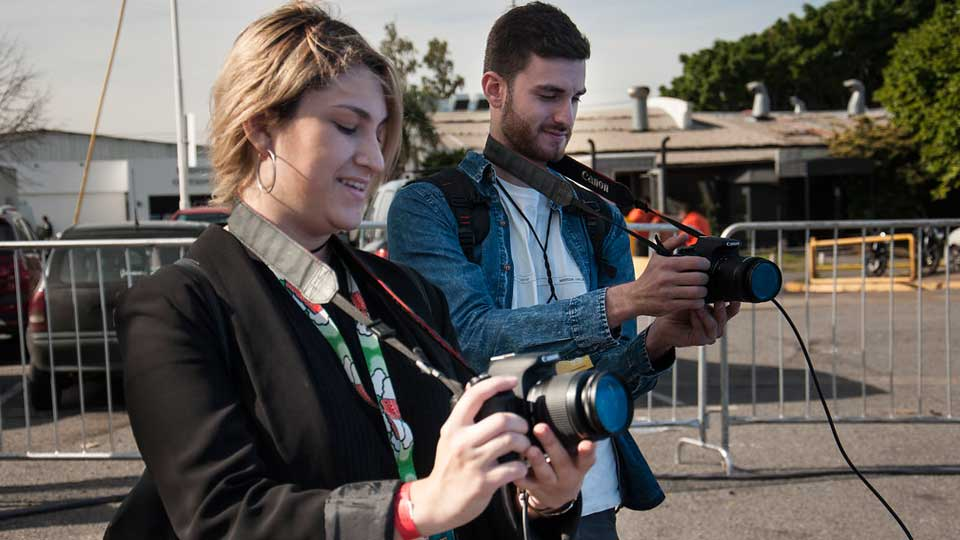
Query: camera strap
x,y
563,194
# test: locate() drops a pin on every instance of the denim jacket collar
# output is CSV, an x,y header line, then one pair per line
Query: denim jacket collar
x,y
574,232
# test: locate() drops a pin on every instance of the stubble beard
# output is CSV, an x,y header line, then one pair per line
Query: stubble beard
x,y
522,137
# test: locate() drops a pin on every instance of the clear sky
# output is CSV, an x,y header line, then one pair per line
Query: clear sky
x,y
634,42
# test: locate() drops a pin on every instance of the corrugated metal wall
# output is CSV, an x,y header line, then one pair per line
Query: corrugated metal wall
x,y
63,146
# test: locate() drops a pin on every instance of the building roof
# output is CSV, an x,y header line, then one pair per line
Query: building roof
x,y
60,145
713,138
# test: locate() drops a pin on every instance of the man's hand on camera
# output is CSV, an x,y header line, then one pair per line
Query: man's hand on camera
x,y
466,472
667,285
555,482
689,327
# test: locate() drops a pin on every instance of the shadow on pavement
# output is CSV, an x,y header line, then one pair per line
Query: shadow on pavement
x,y
98,514
95,393
95,487
766,381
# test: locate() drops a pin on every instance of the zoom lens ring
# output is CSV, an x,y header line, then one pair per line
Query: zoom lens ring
x,y
559,400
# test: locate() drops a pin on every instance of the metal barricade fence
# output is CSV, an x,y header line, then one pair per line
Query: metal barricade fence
x,y
98,429
64,332
44,424
860,356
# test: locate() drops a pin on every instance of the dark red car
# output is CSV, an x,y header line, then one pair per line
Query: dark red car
x,y
206,214
15,228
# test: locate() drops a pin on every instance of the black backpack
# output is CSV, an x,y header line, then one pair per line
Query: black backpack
x,y
471,209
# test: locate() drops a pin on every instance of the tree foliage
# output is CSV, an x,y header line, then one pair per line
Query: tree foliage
x,y
419,101
899,185
444,82
21,103
808,56
922,91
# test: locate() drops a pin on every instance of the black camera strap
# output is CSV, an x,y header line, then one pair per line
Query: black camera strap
x,y
563,194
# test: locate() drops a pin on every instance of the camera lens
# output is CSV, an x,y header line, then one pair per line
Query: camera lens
x,y
586,405
748,279
764,280
611,407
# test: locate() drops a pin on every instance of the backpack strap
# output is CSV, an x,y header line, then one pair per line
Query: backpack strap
x,y
470,208
597,229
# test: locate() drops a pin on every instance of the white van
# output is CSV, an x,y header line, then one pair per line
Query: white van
x,y
375,240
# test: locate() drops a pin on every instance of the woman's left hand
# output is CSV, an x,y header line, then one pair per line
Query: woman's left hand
x,y
554,483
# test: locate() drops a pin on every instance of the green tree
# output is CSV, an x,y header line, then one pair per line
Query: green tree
x,y
808,56
898,185
443,82
400,51
922,90
419,101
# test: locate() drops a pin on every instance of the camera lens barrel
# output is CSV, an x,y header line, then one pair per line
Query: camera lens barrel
x,y
585,405
746,279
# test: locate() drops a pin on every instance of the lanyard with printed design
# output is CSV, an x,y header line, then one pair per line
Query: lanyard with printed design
x,y
398,432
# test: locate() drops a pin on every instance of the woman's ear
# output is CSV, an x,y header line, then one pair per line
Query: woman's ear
x,y
494,88
257,135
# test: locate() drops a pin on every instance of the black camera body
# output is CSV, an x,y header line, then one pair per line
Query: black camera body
x,y
732,276
583,405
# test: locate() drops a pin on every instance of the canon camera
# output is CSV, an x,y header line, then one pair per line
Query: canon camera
x,y
582,405
732,277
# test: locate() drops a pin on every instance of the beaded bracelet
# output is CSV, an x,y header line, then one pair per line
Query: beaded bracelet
x,y
556,511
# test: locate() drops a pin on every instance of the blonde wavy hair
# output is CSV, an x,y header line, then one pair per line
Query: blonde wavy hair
x,y
274,61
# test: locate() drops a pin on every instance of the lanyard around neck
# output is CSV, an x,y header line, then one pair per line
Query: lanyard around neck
x,y
543,245
399,433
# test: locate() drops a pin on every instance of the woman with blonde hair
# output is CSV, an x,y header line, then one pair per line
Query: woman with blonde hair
x,y
265,403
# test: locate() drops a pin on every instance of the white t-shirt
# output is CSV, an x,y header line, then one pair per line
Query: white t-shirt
x,y
530,287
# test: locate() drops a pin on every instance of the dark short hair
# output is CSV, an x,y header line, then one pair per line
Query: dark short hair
x,y
534,28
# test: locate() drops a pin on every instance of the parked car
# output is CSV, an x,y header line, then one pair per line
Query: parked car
x,y
207,214
15,228
55,341
375,240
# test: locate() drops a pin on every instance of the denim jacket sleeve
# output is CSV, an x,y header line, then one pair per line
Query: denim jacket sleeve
x,y
423,234
628,355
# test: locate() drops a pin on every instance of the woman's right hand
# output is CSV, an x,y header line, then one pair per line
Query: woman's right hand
x,y
466,472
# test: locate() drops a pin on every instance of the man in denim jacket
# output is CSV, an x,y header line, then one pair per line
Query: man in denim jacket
x,y
538,286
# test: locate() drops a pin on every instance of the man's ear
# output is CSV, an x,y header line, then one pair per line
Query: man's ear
x,y
494,88
257,134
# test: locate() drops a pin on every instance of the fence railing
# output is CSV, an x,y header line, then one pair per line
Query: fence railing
x,y
56,309
863,355
876,340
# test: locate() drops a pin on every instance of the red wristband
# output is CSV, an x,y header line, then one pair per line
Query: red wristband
x,y
403,514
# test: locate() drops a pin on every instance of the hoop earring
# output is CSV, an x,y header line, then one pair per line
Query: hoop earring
x,y
273,160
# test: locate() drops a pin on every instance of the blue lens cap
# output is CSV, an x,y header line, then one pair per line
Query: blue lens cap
x,y
613,408
765,281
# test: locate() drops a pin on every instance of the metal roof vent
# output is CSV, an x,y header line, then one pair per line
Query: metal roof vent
x,y
858,97
640,120
799,106
761,100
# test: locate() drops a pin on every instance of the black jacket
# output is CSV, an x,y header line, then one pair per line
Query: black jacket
x,y
268,439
